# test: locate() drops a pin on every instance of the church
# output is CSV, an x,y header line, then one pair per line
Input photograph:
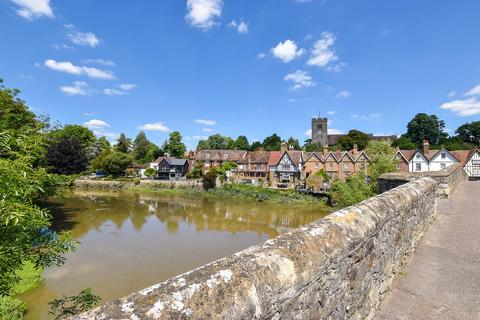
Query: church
x,y
320,134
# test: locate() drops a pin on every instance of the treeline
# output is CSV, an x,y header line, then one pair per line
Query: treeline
x,y
270,143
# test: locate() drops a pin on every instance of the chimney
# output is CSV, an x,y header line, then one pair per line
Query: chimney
x,y
325,151
283,147
426,147
355,150
261,149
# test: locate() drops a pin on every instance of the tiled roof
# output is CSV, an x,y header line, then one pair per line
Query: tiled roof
x,y
462,155
296,156
274,158
159,159
256,157
220,155
176,162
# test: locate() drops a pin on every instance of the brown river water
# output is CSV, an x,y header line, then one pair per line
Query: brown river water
x,y
131,240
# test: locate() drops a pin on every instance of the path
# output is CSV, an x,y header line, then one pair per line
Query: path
x,y
442,280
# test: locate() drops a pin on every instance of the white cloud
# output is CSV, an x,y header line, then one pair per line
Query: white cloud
x,y
88,114
206,122
207,129
199,137
308,133
102,62
475,91
339,67
68,67
202,13
452,94
463,108
157,126
300,79
371,116
79,88
127,86
344,94
113,92
322,53
81,38
30,9
261,55
335,131
241,27
331,113
96,125
287,51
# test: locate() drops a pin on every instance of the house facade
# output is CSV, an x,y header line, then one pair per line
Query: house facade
x,y
216,158
253,168
285,167
472,165
172,169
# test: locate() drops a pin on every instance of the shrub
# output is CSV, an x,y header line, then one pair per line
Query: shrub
x,y
349,192
209,180
136,181
11,308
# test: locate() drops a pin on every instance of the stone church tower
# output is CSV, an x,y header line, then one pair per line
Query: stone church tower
x,y
320,131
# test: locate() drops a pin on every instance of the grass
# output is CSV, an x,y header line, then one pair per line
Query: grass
x,y
241,192
12,308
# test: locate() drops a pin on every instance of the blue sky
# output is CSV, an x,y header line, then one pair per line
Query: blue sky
x,y
243,67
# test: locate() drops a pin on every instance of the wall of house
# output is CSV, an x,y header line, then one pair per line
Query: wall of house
x,y
423,163
334,268
473,170
435,163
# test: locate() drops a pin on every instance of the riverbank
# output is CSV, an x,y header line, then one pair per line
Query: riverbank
x,y
13,308
193,188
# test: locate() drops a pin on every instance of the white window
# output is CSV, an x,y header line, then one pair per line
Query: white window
x,y
444,155
476,163
286,167
418,167
443,165
346,167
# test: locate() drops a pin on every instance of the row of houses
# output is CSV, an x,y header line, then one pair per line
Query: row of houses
x,y
289,168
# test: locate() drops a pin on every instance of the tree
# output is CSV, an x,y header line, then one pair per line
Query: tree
x,y
382,161
292,142
310,146
65,155
84,135
123,144
272,143
209,180
256,145
349,192
97,163
175,147
470,132
424,126
404,143
153,152
65,307
353,137
140,147
455,143
150,172
216,142
96,148
24,226
241,143
116,163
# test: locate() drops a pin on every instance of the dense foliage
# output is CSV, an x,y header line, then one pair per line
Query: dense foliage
x,y
351,138
174,146
424,126
349,192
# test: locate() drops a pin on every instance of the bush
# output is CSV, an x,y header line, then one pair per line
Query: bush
x,y
11,308
349,192
209,180
116,163
136,181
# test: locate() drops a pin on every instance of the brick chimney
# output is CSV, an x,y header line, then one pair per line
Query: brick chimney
x,y
325,151
426,147
283,147
355,150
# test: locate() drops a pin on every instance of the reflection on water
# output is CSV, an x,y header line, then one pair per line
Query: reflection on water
x,y
129,241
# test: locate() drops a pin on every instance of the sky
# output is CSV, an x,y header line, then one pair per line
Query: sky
x,y
243,67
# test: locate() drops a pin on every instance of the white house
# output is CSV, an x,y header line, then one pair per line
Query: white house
x,y
431,160
472,165
441,160
419,162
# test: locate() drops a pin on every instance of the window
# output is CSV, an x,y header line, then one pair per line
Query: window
x,y
330,165
207,156
225,156
443,165
346,167
316,165
476,163
444,155
286,167
417,156
418,167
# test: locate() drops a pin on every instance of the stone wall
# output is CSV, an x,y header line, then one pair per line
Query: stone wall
x,y
338,267
447,179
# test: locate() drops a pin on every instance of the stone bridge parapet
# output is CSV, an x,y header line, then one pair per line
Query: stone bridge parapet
x,y
338,267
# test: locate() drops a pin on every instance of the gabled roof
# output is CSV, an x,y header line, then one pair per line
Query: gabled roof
x,y
308,155
463,156
333,155
364,154
346,153
159,159
220,155
274,158
296,156
256,157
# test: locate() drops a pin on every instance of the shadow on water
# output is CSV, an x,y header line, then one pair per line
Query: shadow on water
x,y
128,241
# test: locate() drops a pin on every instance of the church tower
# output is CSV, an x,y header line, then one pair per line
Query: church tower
x,y
320,131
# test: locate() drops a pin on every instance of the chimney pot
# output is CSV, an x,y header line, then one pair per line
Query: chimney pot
x,y
426,147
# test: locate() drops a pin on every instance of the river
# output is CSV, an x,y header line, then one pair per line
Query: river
x,y
131,240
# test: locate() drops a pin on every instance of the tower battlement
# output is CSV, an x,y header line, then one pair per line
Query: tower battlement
x,y
320,130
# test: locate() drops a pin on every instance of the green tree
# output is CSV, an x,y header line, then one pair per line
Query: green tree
x,y
175,147
424,126
292,142
96,148
116,163
382,161
349,192
153,152
272,143
310,146
124,144
97,163
24,227
455,143
470,132
353,137
66,155
256,145
216,142
241,143
209,179
65,307
140,147
404,143
150,172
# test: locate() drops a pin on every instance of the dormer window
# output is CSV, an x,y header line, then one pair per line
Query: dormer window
x,y
225,156
417,156
207,155
444,155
